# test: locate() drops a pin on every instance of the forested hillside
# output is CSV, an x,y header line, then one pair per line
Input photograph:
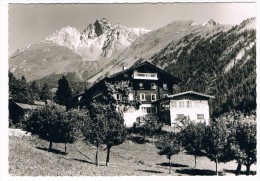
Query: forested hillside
x,y
218,60
222,65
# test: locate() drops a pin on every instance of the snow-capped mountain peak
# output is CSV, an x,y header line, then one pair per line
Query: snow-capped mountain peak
x,y
67,36
100,39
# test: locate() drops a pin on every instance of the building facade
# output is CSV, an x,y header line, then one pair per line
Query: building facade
x,y
190,103
150,85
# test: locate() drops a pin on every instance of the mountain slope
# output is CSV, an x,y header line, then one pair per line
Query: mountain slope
x,y
217,60
42,59
147,45
67,50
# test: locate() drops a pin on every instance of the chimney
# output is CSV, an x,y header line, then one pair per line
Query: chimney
x,y
124,67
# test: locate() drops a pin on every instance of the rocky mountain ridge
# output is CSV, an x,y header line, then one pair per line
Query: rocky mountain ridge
x,y
63,51
100,39
70,51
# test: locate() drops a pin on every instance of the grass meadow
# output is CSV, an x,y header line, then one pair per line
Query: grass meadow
x,y
28,156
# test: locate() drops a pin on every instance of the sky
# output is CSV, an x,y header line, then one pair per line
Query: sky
x,y
29,23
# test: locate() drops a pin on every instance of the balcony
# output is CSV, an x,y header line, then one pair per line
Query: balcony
x,y
147,76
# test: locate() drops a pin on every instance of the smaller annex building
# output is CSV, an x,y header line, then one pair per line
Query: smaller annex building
x,y
18,110
190,103
155,89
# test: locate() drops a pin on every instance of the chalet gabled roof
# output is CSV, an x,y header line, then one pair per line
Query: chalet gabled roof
x,y
184,93
190,93
142,64
132,68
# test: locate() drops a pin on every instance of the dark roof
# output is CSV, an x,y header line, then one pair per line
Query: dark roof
x,y
129,69
141,64
95,84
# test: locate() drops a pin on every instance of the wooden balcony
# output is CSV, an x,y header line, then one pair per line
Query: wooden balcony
x,y
147,76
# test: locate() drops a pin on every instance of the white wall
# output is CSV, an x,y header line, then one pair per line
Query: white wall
x,y
196,108
130,117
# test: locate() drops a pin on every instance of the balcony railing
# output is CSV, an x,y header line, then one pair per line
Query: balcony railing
x,y
150,76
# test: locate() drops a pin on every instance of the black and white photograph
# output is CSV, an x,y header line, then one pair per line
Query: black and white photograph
x,y
129,89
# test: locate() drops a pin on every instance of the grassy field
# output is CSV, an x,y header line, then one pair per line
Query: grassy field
x,y
28,157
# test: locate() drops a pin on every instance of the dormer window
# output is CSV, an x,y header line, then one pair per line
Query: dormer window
x,y
165,87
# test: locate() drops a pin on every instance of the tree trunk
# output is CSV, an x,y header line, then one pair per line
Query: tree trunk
x,y
248,169
50,146
216,165
195,161
65,147
239,165
108,153
170,166
97,164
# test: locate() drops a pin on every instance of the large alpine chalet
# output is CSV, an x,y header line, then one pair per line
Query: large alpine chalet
x,y
155,89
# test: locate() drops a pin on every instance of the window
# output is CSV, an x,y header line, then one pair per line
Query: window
x,y
200,103
200,116
165,105
174,104
118,96
142,96
197,104
130,97
181,104
125,75
189,105
180,115
149,110
165,87
153,86
153,97
141,85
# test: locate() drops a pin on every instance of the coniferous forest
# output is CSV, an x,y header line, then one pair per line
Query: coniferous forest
x,y
222,65
212,66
